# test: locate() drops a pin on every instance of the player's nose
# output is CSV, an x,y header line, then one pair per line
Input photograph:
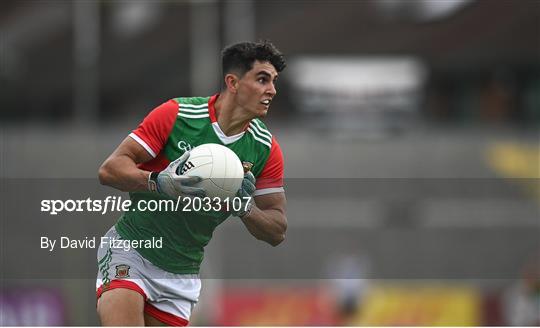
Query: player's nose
x,y
272,90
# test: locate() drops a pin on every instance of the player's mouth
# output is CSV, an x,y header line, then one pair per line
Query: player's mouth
x,y
266,102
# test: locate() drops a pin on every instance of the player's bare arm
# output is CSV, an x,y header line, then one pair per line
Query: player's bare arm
x,y
120,169
267,220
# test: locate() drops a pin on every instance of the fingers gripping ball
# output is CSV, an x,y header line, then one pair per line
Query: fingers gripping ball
x,y
248,185
218,167
169,183
245,193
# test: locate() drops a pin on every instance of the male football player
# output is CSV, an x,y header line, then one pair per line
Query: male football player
x,y
151,286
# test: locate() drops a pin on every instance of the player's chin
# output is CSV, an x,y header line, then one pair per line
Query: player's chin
x,y
260,112
264,110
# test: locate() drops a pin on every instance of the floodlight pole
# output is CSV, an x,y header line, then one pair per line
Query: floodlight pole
x,y
86,49
239,22
204,47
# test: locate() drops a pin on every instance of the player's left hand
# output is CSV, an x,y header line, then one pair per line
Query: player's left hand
x,y
245,193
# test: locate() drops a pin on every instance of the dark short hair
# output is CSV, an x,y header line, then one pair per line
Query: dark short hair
x,y
240,57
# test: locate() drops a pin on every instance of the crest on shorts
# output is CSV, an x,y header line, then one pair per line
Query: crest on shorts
x,y
122,271
247,166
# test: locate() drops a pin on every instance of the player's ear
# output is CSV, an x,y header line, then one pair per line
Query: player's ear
x,y
231,81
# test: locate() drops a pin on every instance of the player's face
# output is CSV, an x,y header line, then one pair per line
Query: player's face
x,y
257,88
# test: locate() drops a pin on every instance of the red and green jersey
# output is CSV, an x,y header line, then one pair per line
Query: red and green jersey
x,y
166,133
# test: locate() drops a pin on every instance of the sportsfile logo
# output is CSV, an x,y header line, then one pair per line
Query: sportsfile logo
x,y
110,203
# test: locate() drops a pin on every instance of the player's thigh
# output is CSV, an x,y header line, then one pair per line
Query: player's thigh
x,y
121,307
151,321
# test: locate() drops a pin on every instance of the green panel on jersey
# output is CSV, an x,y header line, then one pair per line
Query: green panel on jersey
x,y
185,234
192,100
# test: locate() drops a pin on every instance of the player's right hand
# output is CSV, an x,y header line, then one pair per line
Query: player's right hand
x,y
170,183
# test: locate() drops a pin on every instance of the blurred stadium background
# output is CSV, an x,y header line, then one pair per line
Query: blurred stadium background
x,y
410,134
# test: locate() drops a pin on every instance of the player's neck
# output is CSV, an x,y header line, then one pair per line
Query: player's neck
x,y
231,120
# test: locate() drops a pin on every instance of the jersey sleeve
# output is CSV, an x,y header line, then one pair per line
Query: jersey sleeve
x,y
271,178
154,130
